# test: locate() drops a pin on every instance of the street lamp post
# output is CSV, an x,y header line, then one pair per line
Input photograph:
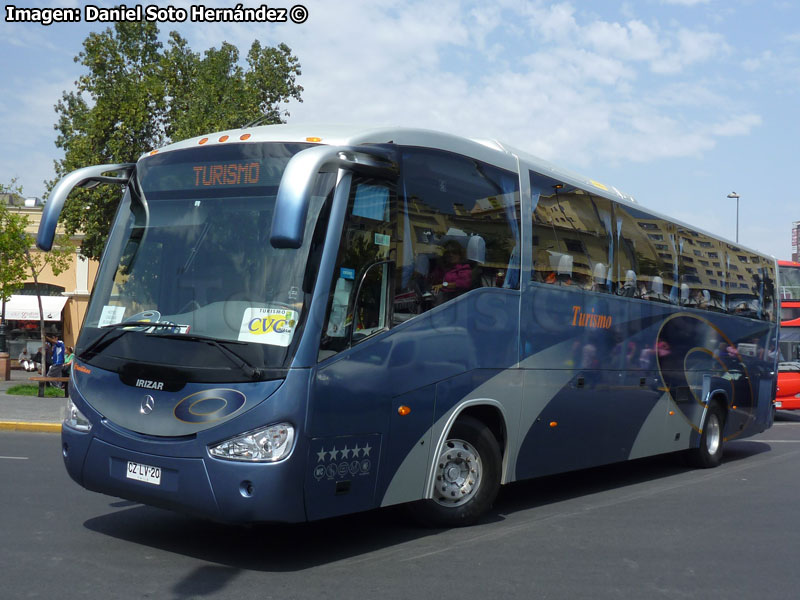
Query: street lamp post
x,y
735,195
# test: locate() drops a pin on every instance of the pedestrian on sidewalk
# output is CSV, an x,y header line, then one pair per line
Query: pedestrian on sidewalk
x,y
25,361
70,356
56,359
42,356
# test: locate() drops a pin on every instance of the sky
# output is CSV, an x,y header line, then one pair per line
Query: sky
x,y
676,102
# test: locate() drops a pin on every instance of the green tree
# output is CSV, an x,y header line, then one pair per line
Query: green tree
x,y
12,246
15,256
137,95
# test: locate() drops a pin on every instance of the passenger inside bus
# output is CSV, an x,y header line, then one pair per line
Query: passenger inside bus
x,y
454,273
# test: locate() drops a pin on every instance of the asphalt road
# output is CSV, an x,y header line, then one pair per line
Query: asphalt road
x,y
647,529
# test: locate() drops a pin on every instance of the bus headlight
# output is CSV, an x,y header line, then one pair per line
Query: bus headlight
x,y
268,444
75,419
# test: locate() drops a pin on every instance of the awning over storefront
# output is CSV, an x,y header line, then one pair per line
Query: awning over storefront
x,y
26,308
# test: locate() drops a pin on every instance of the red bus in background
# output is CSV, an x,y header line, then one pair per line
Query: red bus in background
x,y
788,396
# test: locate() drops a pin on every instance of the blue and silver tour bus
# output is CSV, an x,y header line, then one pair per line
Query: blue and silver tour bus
x,y
293,323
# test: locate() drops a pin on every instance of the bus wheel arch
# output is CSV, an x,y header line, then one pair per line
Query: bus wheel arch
x,y
709,451
467,472
493,418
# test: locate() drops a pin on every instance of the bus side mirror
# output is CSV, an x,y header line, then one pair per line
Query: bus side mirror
x,y
299,178
87,177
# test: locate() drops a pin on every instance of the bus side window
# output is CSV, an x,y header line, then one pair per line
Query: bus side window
x,y
571,235
646,256
458,221
368,239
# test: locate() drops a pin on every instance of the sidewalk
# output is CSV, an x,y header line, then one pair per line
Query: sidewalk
x,y
28,413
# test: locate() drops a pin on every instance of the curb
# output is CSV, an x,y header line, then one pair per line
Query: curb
x,y
28,426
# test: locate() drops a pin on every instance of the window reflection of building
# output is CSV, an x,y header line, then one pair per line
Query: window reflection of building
x,y
648,256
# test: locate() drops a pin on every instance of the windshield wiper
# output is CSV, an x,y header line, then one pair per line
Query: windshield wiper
x,y
247,368
104,337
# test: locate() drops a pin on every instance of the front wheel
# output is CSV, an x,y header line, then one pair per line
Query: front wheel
x,y
466,477
709,453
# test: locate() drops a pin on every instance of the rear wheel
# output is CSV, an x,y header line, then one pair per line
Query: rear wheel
x,y
709,453
466,477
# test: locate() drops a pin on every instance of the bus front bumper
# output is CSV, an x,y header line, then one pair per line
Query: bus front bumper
x,y
220,490
787,403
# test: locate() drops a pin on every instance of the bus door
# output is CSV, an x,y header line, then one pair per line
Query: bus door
x,y
352,388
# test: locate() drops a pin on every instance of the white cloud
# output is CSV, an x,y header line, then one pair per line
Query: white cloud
x,y
685,2
736,125
631,41
546,77
690,47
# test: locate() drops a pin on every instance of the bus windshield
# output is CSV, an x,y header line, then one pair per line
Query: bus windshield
x,y
190,247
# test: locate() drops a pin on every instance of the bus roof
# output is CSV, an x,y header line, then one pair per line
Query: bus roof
x,y
490,151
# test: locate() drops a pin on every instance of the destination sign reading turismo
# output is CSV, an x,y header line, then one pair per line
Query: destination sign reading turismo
x,y
227,174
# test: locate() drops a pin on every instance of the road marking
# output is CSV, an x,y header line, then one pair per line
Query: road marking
x,y
14,457
773,441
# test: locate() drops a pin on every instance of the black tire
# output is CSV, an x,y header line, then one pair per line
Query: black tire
x,y
467,477
709,453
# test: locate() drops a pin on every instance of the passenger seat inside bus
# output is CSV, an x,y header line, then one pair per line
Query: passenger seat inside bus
x,y
564,270
599,278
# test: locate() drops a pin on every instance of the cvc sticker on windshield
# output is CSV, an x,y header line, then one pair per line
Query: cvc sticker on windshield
x,y
273,326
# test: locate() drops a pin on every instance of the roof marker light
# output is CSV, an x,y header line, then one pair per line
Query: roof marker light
x,y
203,141
224,138
153,152
313,139
244,136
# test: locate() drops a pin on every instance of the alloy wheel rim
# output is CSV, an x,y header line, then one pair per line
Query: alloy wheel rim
x,y
458,473
713,434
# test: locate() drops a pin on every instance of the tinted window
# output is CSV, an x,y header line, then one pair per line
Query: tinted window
x,y
571,235
641,270
368,244
702,288
458,221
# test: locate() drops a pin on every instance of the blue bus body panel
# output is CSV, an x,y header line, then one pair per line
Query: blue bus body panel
x,y
635,383
180,413
358,392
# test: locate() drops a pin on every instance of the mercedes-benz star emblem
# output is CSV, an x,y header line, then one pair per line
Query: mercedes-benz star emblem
x,y
148,404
